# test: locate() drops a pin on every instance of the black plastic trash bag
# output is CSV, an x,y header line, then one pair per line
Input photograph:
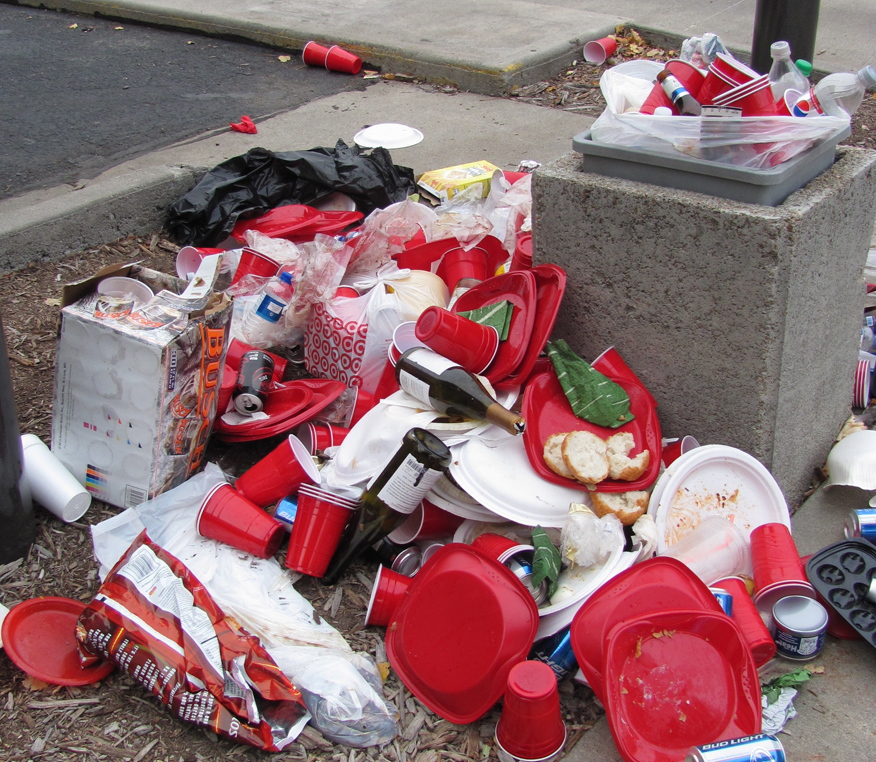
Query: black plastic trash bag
x,y
260,180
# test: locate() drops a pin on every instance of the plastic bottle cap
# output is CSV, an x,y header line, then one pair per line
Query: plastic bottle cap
x,y
662,111
804,66
780,49
868,76
286,277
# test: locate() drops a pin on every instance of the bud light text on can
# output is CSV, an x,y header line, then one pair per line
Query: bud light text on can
x,y
724,598
862,523
756,748
253,381
556,651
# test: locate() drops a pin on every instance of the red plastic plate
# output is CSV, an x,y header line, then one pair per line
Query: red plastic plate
x,y
547,411
39,636
283,401
295,220
678,679
464,623
550,285
518,288
654,585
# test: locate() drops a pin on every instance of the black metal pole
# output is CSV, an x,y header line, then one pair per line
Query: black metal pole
x,y
795,21
16,519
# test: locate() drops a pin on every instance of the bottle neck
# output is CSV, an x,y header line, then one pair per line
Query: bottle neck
x,y
505,419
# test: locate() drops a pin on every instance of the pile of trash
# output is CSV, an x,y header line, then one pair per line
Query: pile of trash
x,y
527,520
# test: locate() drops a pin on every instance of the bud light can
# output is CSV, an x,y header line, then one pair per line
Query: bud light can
x,y
862,523
556,652
253,382
756,748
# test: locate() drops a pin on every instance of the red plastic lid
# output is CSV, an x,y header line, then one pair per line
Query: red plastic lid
x,y
678,679
39,635
547,412
655,585
518,288
465,622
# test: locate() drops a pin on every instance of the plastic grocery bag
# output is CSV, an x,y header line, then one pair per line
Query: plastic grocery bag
x,y
260,180
752,142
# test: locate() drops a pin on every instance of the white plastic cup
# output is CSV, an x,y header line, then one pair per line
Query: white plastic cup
x,y
717,548
51,484
120,286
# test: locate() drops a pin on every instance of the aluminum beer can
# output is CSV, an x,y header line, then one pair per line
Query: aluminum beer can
x,y
253,381
556,651
862,523
756,748
724,598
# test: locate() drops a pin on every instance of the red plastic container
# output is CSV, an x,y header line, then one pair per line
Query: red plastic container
x,y
470,344
279,474
255,263
227,516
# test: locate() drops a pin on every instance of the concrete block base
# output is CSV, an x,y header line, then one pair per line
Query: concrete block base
x,y
742,320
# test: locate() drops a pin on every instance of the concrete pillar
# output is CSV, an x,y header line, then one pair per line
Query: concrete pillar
x,y
742,320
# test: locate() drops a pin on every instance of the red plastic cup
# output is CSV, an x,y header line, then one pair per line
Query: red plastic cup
x,y
596,51
785,106
493,545
386,595
314,54
732,69
188,259
674,450
364,401
746,615
655,99
227,516
757,101
237,349
426,522
404,337
774,557
689,75
458,264
319,435
470,344
531,725
713,85
522,259
346,292
255,263
278,474
319,523
338,59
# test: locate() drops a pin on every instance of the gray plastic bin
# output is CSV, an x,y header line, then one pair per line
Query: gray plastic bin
x,y
769,187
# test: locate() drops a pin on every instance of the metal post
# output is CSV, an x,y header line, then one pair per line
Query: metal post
x,y
795,21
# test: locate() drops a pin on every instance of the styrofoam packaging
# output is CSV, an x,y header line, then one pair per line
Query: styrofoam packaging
x,y
134,405
50,483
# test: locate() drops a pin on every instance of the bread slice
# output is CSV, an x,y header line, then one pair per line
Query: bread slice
x,y
586,456
627,506
553,455
620,465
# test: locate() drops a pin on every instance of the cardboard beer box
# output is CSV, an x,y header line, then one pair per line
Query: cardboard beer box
x,y
136,387
446,183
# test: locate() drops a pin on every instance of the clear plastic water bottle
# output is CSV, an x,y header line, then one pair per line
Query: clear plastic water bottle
x,y
841,94
269,307
784,75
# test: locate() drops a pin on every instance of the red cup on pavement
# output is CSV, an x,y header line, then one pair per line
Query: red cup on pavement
x,y
426,522
459,264
596,51
774,556
531,725
655,99
319,523
254,263
314,54
746,615
386,595
493,545
522,259
470,344
319,435
227,516
674,450
278,474
338,59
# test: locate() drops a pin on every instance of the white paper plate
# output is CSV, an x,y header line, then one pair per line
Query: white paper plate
x,y
465,511
497,473
388,135
335,202
722,481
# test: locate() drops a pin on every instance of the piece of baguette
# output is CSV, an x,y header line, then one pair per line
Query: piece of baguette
x,y
553,455
586,456
620,465
627,506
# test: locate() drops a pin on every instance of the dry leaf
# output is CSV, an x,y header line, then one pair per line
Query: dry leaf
x,y
35,684
284,59
74,26
120,29
384,670
815,670
53,302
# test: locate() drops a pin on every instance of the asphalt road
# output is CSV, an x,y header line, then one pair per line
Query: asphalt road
x,y
75,101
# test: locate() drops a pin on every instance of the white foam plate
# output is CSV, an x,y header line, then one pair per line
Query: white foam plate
x,y
335,202
717,480
497,473
388,135
463,510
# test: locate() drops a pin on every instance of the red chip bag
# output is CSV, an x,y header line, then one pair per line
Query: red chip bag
x,y
158,624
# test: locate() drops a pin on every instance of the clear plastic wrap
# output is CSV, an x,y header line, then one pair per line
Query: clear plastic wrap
x,y
587,539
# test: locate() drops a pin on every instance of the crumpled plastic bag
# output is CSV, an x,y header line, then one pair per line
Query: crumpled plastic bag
x,y
343,693
260,180
702,51
761,142
586,539
645,537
